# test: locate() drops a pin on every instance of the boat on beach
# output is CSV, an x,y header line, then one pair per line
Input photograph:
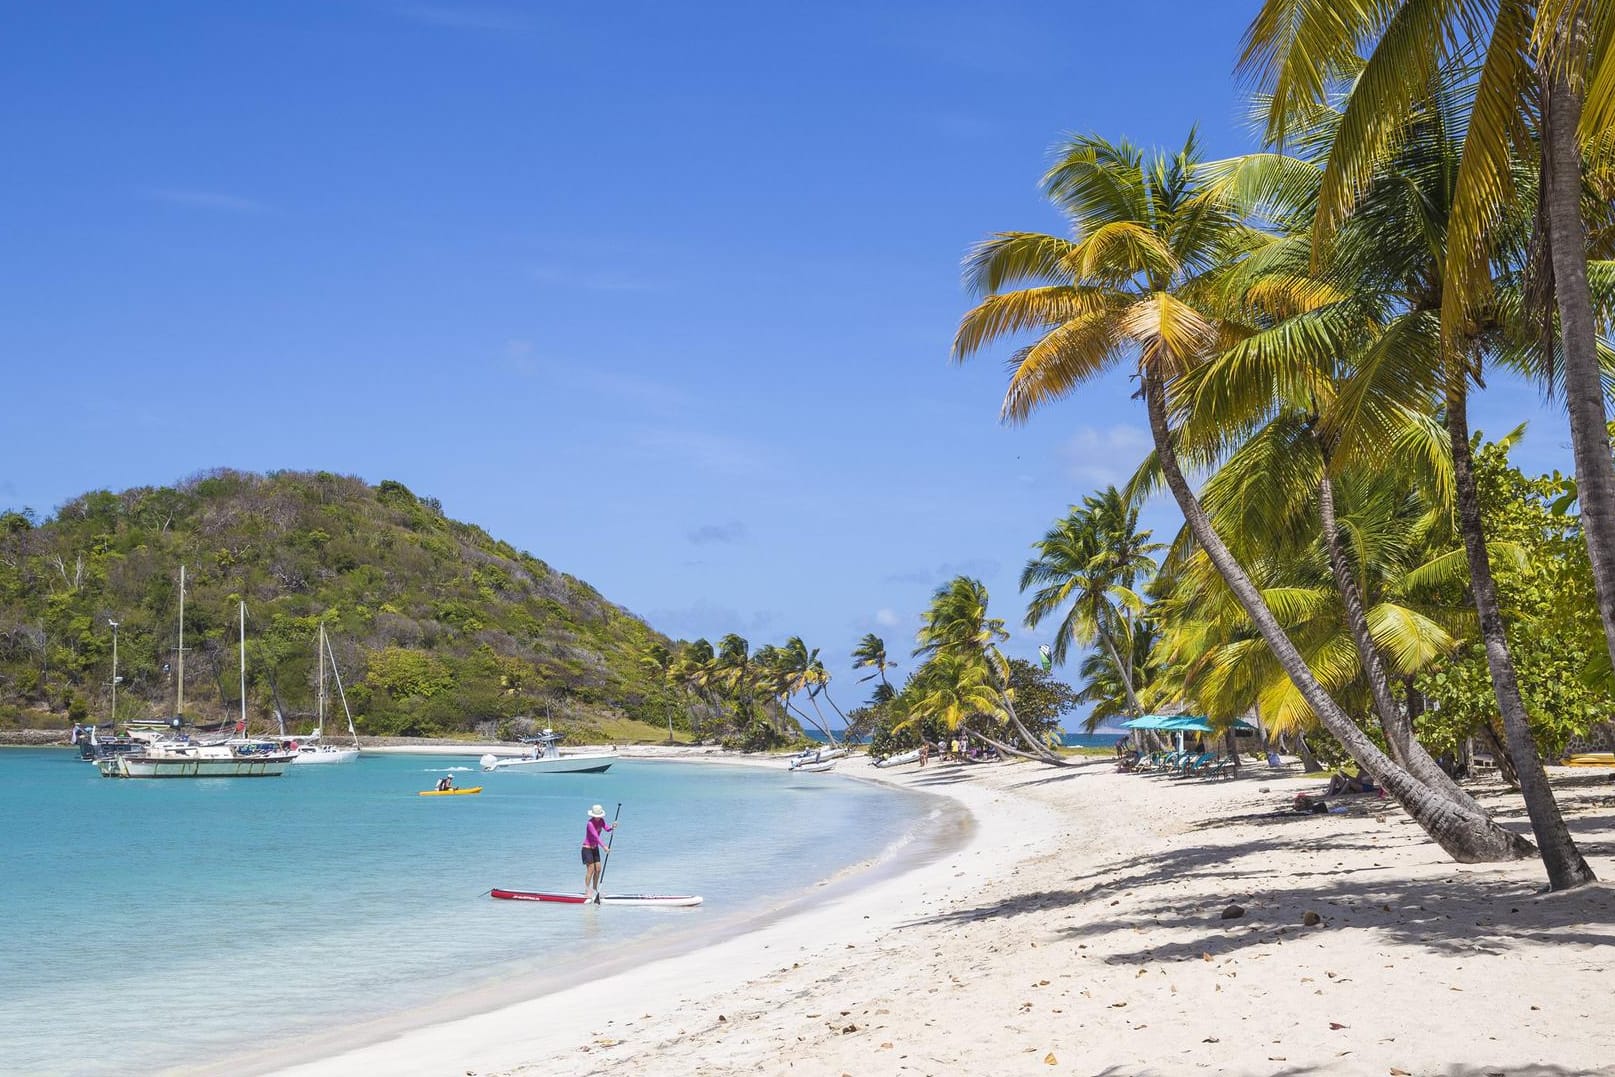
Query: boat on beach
x,y
814,768
546,758
912,756
816,755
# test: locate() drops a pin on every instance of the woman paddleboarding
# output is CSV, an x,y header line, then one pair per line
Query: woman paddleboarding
x,y
593,831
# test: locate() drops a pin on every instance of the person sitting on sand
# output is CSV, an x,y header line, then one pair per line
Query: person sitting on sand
x,y
1340,783
445,783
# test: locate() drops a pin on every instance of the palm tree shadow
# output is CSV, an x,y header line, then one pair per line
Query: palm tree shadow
x,y
1463,911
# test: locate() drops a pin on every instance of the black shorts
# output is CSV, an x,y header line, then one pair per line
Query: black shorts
x,y
591,854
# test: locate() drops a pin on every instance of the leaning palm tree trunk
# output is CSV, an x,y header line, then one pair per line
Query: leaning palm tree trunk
x,y
1584,395
1006,749
1466,836
1033,743
816,723
1397,725
1124,670
1566,868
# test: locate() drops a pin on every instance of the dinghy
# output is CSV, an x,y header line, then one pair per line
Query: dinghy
x,y
899,760
605,899
814,768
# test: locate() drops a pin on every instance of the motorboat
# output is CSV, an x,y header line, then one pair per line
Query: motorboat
x,y
546,758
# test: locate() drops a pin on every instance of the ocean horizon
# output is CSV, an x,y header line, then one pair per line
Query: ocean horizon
x,y
162,916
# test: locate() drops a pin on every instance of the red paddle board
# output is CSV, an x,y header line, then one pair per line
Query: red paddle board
x,y
606,899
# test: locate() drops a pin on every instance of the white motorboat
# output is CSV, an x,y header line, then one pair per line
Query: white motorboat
x,y
899,759
546,758
814,768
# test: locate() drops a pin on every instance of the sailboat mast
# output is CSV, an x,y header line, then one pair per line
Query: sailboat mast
x,y
181,705
319,722
243,669
337,675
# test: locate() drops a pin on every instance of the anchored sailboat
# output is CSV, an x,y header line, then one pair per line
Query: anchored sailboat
x,y
311,749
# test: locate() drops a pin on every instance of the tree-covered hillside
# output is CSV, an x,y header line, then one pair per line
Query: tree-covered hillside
x,y
437,627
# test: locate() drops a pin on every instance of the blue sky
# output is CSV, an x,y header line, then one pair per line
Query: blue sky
x,y
661,293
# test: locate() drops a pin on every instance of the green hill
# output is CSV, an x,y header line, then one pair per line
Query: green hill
x,y
438,628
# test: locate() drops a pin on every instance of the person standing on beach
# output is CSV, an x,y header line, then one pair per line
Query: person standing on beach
x,y
593,831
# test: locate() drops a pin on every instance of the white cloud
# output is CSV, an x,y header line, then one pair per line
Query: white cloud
x,y
1106,456
887,618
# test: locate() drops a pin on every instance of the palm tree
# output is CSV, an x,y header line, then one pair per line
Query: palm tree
x,y
659,661
1090,564
956,632
695,670
1546,82
805,673
1140,278
871,654
1103,686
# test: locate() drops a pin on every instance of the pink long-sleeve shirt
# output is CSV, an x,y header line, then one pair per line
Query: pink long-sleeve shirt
x,y
593,830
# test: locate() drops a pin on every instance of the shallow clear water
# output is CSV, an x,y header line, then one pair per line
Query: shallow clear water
x,y
154,923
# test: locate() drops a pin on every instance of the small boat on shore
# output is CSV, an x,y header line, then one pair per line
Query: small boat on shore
x,y
814,768
816,755
450,792
900,759
672,900
546,758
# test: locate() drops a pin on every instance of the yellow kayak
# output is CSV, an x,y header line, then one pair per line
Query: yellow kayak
x,y
451,792
1591,759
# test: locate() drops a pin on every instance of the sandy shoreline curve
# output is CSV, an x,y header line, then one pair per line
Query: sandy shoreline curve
x,y
1088,926
423,1039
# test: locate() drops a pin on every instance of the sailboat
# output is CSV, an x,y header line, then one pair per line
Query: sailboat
x,y
311,749
181,757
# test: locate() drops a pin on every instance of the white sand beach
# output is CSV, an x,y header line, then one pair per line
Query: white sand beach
x,y
1080,929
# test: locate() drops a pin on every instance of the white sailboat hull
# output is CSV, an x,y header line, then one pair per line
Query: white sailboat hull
x,y
135,766
325,753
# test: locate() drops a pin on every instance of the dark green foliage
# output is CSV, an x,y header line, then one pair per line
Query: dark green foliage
x,y
437,627
1553,629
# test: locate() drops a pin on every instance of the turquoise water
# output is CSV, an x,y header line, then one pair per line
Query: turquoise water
x,y
1090,740
151,923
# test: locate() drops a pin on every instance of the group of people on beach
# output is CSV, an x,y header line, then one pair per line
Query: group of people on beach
x,y
956,748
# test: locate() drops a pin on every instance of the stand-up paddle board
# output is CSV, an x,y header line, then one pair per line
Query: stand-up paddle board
x,y
605,899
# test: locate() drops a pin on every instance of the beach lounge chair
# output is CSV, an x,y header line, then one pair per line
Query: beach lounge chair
x,y
1219,768
1196,763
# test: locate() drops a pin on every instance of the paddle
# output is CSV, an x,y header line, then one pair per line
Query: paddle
x,y
600,882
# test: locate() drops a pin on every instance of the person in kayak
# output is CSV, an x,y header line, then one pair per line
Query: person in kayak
x,y
593,831
445,783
